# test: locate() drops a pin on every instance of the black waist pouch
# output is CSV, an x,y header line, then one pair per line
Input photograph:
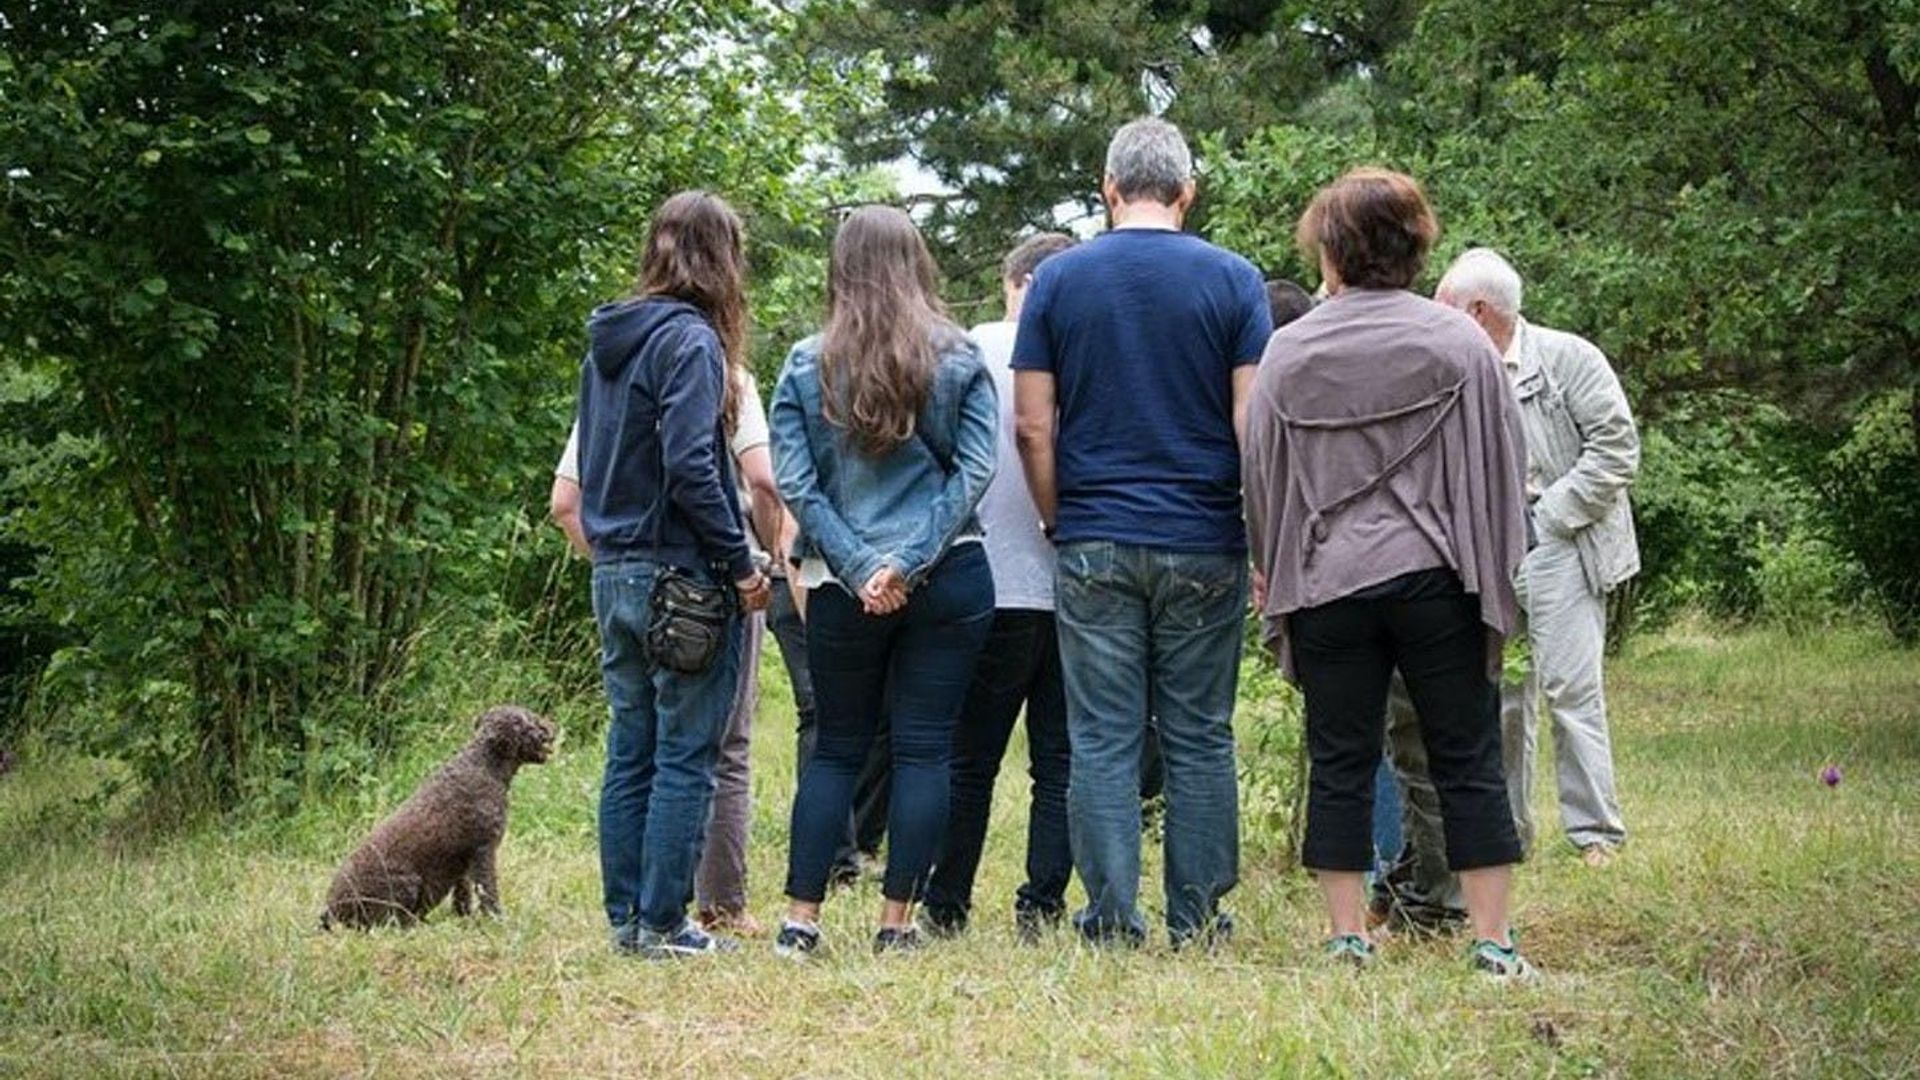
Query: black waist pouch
x,y
686,621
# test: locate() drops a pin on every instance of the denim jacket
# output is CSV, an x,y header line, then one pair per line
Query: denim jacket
x,y
858,512
1583,450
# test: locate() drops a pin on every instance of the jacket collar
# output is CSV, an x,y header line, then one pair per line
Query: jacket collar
x,y
1526,346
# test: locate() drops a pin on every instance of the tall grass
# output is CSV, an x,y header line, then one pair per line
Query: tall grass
x,y
1758,923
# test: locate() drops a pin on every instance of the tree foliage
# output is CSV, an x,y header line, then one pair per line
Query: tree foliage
x,y
1719,194
308,279
1009,103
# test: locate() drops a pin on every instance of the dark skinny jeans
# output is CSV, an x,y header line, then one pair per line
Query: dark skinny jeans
x,y
1020,666
913,667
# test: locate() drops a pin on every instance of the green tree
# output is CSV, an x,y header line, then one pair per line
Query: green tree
x,y
1009,103
310,280
1719,194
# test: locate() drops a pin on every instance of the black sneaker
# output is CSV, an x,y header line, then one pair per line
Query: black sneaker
x,y
1217,932
1030,924
897,939
688,941
944,922
797,940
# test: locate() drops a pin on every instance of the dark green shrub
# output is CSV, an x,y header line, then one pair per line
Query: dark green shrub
x,y
1871,485
1718,478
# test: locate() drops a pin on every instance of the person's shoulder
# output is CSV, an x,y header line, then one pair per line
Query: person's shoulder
x,y
1563,344
955,347
803,359
1071,260
995,339
1304,328
1445,328
1229,259
1290,346
806,350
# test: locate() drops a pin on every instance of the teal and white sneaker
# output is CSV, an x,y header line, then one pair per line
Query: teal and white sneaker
x,y
1501,963
1350,950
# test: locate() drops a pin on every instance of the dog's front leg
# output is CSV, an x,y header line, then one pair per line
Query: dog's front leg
x,y
486,879
462,897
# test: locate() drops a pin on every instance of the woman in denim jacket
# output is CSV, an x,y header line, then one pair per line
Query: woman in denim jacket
x,y
884,436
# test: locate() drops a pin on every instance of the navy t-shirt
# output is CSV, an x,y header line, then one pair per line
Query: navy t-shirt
x,y
1142,329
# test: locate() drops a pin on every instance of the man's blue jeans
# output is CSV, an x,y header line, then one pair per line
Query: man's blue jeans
x,y
1150,631
661,742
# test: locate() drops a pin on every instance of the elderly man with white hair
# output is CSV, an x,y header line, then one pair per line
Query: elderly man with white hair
x,y
1583,451
1132,363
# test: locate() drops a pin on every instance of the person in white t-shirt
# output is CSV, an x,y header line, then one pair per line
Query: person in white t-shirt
x,y
1019,667
720,884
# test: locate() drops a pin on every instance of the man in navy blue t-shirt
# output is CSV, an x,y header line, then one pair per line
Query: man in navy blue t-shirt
x,y
1132,364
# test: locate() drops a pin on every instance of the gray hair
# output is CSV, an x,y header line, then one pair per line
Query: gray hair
x,y
1481,274
1148,158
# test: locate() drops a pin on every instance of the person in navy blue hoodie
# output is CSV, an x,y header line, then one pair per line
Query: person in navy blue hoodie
x,y
656,405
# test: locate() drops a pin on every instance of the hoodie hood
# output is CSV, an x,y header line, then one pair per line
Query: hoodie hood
x,y
616,331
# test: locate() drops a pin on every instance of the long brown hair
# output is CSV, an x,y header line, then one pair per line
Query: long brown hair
x,y
885,326
696,253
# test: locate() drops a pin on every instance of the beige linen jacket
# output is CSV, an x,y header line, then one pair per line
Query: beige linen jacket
x,y
1583,450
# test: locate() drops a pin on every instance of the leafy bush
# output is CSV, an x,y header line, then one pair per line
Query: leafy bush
x,y
1273,764
1801,579
1872,504
310,286
1719,478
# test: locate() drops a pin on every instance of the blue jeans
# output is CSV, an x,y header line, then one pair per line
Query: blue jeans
x,y
869,826
1019,669
661,743
1387,836
1150,631
912,667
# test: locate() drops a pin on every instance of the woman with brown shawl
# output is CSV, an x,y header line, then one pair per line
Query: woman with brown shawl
x,y
1385,502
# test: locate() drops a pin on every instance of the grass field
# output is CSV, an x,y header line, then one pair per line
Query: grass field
x,y
1759,923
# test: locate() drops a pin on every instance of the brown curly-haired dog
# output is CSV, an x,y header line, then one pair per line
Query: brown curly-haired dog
x,y
445,838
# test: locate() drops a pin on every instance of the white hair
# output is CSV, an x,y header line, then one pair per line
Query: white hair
x,y
1149,158
1481,274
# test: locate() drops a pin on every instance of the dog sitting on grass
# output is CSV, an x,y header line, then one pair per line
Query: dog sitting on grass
x,y
444,839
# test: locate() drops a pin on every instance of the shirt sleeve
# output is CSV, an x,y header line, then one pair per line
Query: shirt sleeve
x,y
1255,317
1032,342
822,529
568,467
750,426
1609,443
690,396
975,455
